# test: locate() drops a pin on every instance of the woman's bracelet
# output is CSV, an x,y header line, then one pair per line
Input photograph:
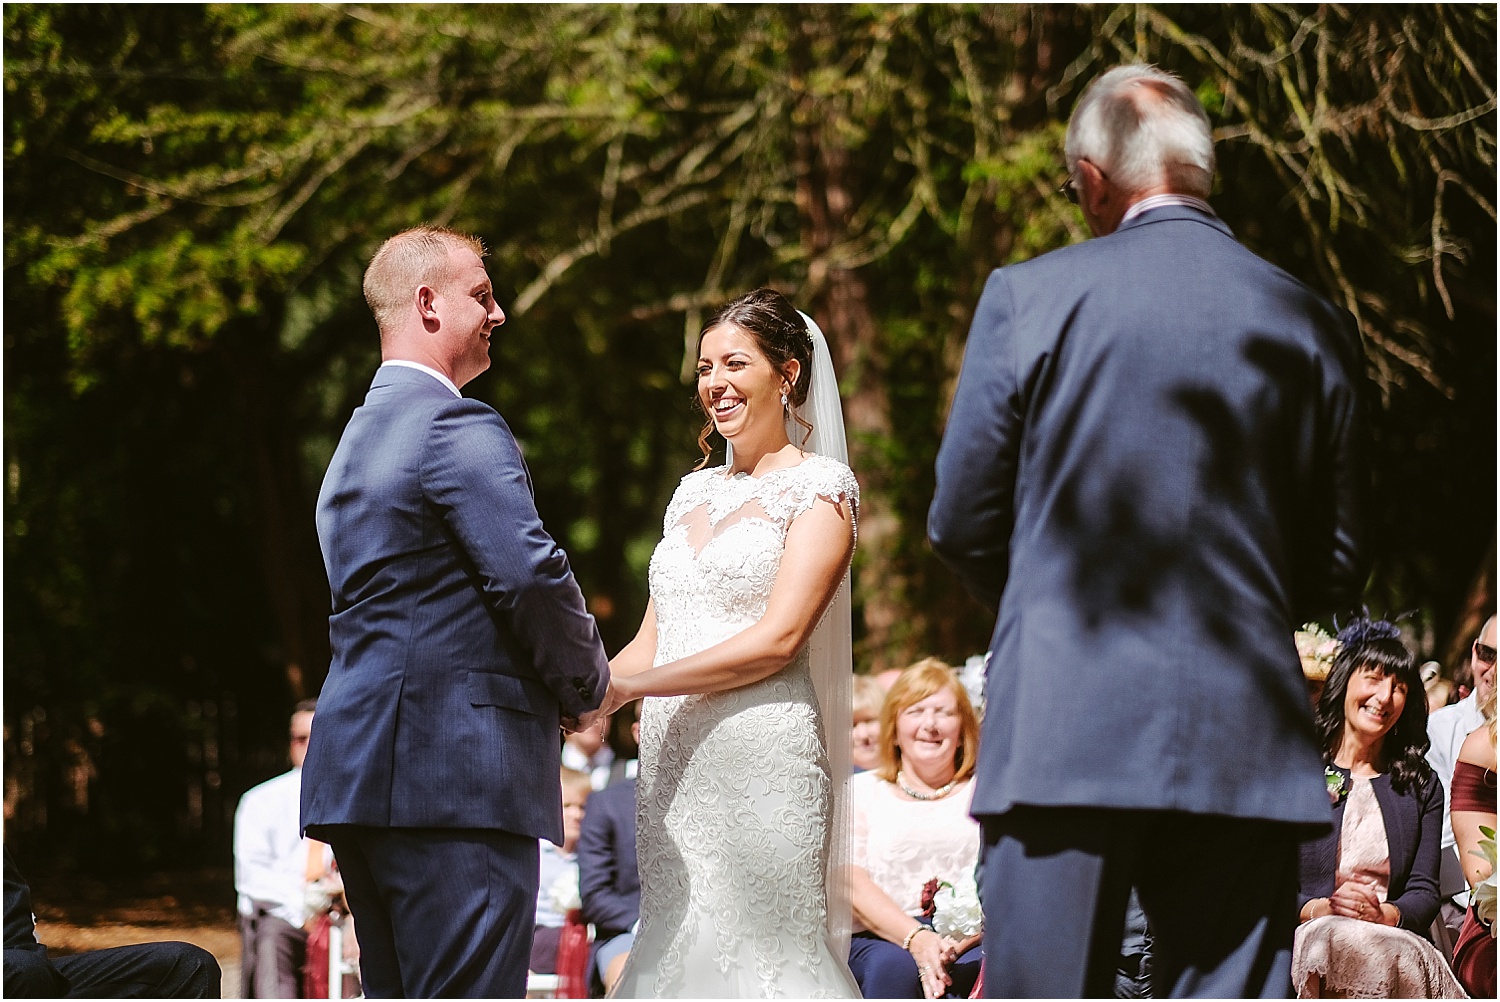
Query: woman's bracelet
x,y
906,943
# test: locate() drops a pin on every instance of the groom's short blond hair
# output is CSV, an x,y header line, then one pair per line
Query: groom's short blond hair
x,y
414,257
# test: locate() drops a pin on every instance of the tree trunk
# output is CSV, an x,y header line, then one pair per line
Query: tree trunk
x,y
840,302
290,557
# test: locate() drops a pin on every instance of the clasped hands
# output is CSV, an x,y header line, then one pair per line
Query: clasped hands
x,y
933,953
1357,900
610,703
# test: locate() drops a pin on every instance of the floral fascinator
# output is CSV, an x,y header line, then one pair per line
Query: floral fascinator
x,y
1316,649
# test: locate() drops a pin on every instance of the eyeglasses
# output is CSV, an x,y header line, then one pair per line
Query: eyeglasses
x,y
1069,188
1484,653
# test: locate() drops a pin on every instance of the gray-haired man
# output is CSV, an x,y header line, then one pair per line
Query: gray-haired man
x,y
1152,471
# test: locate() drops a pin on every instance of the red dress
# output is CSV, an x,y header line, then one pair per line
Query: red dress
x,y
1474,953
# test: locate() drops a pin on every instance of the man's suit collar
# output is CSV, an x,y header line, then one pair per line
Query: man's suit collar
x,y
1172,212
404,375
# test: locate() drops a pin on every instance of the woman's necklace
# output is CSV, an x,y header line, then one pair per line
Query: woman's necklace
x,y
937,794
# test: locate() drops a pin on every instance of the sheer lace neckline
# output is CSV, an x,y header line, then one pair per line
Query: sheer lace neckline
x,y
710,503
726,475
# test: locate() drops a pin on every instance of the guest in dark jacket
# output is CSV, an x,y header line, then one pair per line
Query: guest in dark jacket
x,y
1369,889
145,971
607,878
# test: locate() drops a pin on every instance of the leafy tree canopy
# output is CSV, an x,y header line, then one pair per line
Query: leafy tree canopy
x,y
193,191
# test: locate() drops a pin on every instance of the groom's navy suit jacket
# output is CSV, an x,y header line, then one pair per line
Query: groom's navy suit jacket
x,y
459,635
1153,471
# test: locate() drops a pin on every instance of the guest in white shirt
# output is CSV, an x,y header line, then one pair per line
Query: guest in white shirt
x,y
557,890
1446,730
270,872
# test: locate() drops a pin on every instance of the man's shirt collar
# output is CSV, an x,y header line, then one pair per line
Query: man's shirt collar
x,y
1158,201
423,368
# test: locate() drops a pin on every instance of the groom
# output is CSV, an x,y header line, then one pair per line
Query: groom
x,y
459,641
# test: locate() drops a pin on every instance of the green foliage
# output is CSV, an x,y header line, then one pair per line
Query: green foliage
x,y
193,191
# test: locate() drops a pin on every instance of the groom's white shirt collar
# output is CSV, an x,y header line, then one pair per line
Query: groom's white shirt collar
x,y
423,368
1157,201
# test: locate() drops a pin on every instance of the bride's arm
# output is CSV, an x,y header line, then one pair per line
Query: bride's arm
x,y
819,543
637,656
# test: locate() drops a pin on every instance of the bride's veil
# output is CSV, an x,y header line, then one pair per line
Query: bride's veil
x,y
831,649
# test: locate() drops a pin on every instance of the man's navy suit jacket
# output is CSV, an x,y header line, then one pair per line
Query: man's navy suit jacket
x,y
458,633
1153,471
608,881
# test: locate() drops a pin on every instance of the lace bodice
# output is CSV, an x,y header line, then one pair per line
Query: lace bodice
x,y
712,573
733,795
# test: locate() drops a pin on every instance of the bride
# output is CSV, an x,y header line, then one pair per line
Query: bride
x,y
743,661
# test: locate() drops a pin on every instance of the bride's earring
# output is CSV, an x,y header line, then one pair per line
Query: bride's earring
x,y
783,399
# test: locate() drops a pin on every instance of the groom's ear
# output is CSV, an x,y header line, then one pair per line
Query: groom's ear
x,y
425,299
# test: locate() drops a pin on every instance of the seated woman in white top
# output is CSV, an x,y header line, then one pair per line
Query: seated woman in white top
x,y
917,920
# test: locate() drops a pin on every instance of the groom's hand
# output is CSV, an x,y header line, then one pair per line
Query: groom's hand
x,y
574,725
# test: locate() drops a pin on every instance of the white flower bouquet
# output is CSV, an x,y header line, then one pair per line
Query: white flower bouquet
x,y
957,912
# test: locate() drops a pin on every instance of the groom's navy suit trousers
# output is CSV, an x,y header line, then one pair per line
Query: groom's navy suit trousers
x,y
1153,473
459,637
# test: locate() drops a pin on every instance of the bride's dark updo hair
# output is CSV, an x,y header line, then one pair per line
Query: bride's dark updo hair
x,y
781,335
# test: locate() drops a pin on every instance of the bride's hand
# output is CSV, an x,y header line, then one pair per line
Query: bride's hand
x,y
619,693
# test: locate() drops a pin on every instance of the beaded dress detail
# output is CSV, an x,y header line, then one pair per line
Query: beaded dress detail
x,y
733,794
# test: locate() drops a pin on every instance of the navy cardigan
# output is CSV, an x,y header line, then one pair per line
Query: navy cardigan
x,y
1413,835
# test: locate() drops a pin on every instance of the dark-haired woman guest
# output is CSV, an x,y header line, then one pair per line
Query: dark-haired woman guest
x,y
1369,889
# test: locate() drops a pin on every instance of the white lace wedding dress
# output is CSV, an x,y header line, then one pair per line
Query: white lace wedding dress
x,y
734,791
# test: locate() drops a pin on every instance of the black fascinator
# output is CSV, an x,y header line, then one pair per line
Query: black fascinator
x,y
1363,630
